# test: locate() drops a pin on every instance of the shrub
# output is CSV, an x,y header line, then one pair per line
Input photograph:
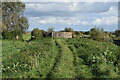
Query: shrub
x,y
11,35
6,34
99,35
17,33
77,34
95,59
68,29
36,34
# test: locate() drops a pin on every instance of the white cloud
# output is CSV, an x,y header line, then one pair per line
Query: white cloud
x,y
42,22
106,21
85,23
61,20
112,20
58,20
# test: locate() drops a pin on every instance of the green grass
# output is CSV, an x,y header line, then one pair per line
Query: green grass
x,y
33,59
64,67
93,58
60,58
26,36
12,47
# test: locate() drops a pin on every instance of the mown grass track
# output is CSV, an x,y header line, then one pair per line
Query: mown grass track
x,y
65,68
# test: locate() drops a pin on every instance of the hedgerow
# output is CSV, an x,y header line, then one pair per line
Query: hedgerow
x,y
11,35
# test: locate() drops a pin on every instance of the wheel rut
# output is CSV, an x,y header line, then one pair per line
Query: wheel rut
x,y
57,60
63,66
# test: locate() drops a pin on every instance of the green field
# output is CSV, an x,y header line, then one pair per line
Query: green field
x,y
60,58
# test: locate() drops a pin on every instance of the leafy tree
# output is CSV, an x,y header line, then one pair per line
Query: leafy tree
x,y
94,31
12,16
68,29
23,23
51,29
36,33
98,34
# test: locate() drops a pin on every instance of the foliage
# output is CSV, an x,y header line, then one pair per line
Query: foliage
x,y
11,35
28,60
51,29
68,29
36,33
77,34
97,34
101,37
99,60
12,16
26,36
60,58
23,24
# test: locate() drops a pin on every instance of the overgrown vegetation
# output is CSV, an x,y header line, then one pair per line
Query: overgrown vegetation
x,y
60,58
37,34
88,54
12,35
99,35
95,61
28,60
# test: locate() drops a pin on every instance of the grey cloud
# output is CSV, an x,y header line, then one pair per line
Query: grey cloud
x,y
66,9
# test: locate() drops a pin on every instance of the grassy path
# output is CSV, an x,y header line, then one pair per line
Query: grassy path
x,y
57,60
64,67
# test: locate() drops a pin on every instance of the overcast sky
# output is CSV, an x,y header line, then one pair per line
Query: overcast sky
x,y
81,16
